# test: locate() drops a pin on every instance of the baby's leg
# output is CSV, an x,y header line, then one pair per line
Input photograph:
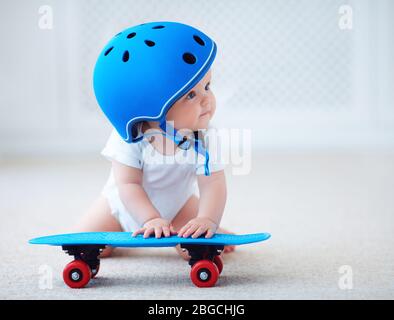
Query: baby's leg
x,y
99,218
188,212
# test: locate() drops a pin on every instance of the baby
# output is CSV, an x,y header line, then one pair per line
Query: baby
x,y
152,189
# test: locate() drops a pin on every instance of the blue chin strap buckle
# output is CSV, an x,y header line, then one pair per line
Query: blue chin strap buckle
x,y
184,143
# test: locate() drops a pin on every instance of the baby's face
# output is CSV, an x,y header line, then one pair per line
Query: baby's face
x,y
196,108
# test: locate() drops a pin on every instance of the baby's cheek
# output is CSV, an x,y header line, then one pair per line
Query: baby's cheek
x,y
189,118
194,113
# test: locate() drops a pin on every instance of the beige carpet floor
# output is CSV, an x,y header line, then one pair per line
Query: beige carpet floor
x,y
324,211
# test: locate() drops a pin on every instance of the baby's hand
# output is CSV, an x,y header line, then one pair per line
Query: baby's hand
x,y
158,226
197,226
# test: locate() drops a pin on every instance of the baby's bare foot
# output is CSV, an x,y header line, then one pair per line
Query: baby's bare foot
x,y
183,254
107,252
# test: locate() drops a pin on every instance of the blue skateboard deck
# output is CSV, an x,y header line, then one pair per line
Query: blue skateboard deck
x,y
124,239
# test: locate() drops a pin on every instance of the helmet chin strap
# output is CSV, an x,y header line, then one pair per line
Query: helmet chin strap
x,y
171,133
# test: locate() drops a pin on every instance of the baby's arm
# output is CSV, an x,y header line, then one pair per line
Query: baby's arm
x,y
136,201
213,193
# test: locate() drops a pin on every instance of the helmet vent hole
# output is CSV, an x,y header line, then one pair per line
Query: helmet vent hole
x,y
108,51
189,58
199,40
158,27
126,56
131,35
149,43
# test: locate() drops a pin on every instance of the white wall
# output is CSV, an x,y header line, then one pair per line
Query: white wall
x,y
284,69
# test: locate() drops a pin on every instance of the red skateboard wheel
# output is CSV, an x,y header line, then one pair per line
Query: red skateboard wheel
x,y
204,273
77,274
219,263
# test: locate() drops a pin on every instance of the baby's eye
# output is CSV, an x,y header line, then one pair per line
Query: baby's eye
x,y
191,95
207,86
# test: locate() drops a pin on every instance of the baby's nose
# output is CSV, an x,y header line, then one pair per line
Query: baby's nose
x,y
205,102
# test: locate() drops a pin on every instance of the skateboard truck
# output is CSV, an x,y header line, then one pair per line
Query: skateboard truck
x,y
199,252
88,254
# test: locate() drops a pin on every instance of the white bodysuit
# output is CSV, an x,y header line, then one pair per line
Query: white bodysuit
x,y
168,180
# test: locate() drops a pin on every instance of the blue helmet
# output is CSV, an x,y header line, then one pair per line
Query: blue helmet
x,y
143,70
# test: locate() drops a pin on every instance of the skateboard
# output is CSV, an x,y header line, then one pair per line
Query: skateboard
x,y
205,261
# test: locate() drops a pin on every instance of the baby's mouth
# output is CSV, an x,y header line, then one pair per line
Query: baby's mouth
x,y
204,114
